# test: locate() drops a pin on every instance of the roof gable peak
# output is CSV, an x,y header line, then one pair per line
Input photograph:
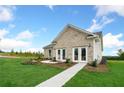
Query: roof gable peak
x,y
73,27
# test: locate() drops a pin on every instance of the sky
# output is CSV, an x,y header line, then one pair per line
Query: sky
x,y
29,28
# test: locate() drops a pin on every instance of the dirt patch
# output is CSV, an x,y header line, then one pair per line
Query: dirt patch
x,y
99,68
62,65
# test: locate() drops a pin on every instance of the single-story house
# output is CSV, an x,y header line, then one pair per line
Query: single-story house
x,y
75,44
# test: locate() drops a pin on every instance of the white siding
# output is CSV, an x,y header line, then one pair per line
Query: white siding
x,y
97,50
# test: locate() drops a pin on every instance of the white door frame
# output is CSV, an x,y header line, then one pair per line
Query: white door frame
x,y
79,54
61,54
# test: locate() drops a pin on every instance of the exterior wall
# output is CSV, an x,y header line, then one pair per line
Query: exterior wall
x,y
97,50
71,39
46,53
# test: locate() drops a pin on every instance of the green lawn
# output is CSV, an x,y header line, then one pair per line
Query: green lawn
x,y
12,73
113,78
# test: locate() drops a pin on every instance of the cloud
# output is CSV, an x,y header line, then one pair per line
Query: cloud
x,y
44,29
107,9
33,50
3,32
12,26
112,51
110,41
11,43
6,13
75,12
8,44
24,35
102,12
51,7
98,24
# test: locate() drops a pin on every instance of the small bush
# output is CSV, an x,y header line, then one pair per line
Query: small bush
x,y
94,64
38,59
50,58
103,61
30,62
68,61
54,59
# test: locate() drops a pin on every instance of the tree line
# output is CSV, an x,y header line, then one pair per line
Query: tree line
x,y
21,53
119,57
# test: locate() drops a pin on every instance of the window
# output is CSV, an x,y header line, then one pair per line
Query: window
x,y
76,54
79,54
97,40
83,54
63,56
58,54
49,53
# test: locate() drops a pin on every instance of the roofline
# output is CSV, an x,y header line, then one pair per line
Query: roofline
x,y
83,30
75,27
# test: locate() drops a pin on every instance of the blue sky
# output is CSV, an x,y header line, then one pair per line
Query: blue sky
x,y
29,28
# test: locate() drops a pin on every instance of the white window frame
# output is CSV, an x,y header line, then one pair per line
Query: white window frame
x,y
61,56
79,54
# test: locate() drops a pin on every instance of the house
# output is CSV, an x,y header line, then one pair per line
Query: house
x,y
75,44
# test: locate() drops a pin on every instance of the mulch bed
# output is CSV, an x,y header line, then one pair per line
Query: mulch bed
x,y
99,68
62,65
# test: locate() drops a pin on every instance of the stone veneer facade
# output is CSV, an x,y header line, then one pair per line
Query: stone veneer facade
x,y
70,39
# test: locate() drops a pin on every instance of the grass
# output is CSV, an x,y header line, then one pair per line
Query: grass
x,y
14,74
113,78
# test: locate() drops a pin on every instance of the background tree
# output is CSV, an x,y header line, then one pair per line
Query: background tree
x,y
121,53
12,52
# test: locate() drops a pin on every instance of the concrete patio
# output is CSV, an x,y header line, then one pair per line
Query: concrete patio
x,y
48,62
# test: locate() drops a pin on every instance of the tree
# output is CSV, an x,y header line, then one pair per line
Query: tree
x,y
12,50
20,51
16,52
121,53
1,51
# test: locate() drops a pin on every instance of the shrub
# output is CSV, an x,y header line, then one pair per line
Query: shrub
x,y
54,59
103,61
39,59
68,60
94,63
30,62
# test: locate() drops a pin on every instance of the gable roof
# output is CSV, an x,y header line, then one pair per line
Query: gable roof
x,y
77,29
48,46
98,33
94,34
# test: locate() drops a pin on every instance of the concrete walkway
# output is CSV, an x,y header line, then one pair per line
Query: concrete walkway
x,y
60,79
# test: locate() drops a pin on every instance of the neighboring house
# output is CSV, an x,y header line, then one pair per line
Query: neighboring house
x,y
76,44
